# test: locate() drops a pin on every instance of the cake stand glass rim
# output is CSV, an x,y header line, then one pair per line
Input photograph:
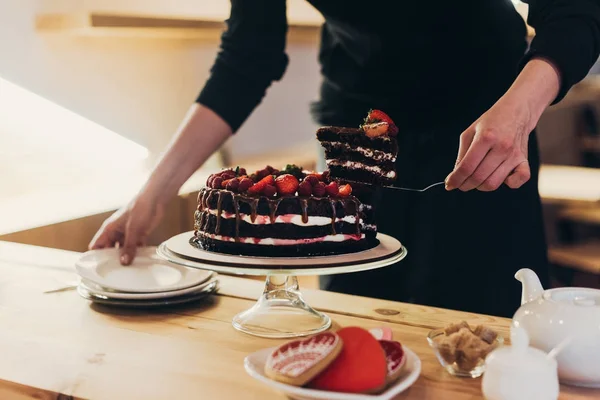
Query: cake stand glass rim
x,y
163,252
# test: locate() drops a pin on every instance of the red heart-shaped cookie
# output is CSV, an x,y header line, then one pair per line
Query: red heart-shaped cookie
x,y
360,368
383,333
299,361
395,358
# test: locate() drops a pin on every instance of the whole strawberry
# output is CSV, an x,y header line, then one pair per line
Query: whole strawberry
x,y
305,189
345,190
217,182
332,189
312,179
286,184
245,184
269,190
233,184
319,190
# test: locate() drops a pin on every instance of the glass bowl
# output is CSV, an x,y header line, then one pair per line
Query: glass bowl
x,y
473,369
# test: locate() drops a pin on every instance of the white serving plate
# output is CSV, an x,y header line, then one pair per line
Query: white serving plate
x,y
150,303
147,274
255,367
100,291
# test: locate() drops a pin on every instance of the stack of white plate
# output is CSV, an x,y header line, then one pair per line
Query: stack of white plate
x,y
148,282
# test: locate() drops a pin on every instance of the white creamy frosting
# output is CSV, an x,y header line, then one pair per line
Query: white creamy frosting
x,y
286,219
282,242
359,165
370,153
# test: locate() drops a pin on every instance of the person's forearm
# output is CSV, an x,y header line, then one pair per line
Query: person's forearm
x,y
535,88
200,134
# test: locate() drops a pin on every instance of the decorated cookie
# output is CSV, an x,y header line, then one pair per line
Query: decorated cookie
x,y
361,366
299,361
383,333
395,358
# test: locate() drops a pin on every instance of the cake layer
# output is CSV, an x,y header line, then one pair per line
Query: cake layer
x,y
346,151
266,248
211,224
340,154
388,173
226,201
357,138
361,174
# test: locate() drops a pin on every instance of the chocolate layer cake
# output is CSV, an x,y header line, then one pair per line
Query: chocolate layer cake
x,y
281,214
366,154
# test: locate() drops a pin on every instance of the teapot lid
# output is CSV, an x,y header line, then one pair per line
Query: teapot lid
x,y
519,358
580,297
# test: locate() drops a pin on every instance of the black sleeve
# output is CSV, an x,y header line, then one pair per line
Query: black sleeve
x,y
251,56
567,33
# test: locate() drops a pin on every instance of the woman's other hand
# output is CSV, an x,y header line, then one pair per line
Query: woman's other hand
x,y
493,150
129,227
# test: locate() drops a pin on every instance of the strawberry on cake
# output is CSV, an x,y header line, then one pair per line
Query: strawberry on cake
x,y
275,213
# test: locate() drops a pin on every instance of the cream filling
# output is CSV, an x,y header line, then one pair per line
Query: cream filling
x,y
285,219
370,153
359,165
283,242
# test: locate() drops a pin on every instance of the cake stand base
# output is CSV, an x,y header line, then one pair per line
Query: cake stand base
x,y
281,312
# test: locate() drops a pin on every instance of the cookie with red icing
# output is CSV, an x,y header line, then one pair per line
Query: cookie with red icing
x,y
299,361
361,366
395,358
383,333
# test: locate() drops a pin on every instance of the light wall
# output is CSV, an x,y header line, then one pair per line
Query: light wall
x,y
141,88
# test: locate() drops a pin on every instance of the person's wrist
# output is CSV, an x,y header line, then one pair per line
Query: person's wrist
x,y
535,88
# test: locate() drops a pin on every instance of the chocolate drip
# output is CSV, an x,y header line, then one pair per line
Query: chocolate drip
x,y
253,208
273,205
333,216
219,210
357,217
236,207
304,205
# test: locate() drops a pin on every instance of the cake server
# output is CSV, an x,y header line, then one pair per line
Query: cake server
x,y
415,190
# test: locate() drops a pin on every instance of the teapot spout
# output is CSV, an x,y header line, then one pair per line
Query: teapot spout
x,y
532,288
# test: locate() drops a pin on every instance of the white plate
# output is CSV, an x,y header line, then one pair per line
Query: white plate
x,y
148,272
100,291
186,298
255,366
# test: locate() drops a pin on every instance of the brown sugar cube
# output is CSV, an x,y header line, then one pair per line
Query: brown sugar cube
x,y
453,328
446,348
465,363
485,333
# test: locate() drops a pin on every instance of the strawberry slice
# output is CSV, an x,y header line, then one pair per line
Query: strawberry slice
x,y
375,116
260,185
345,190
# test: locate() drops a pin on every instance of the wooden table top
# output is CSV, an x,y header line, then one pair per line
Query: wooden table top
x,y
57,345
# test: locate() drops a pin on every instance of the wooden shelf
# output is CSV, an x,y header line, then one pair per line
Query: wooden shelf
x,y
583,257
104,24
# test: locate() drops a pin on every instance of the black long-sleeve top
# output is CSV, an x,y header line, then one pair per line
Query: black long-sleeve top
x,y
426,59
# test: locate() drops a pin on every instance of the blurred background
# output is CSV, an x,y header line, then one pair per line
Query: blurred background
x,y
91,92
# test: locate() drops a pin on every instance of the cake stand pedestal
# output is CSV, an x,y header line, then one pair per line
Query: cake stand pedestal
x,y
280,311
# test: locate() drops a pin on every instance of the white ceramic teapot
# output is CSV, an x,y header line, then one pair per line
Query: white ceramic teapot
x,y
565,318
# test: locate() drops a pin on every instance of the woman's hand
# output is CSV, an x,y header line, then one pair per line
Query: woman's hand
x,y
200,134
129,227
493,150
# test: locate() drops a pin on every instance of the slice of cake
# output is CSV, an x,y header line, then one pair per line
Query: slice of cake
x,y
365,154
280,213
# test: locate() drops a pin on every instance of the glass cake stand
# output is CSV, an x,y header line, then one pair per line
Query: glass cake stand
x,y
281,312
